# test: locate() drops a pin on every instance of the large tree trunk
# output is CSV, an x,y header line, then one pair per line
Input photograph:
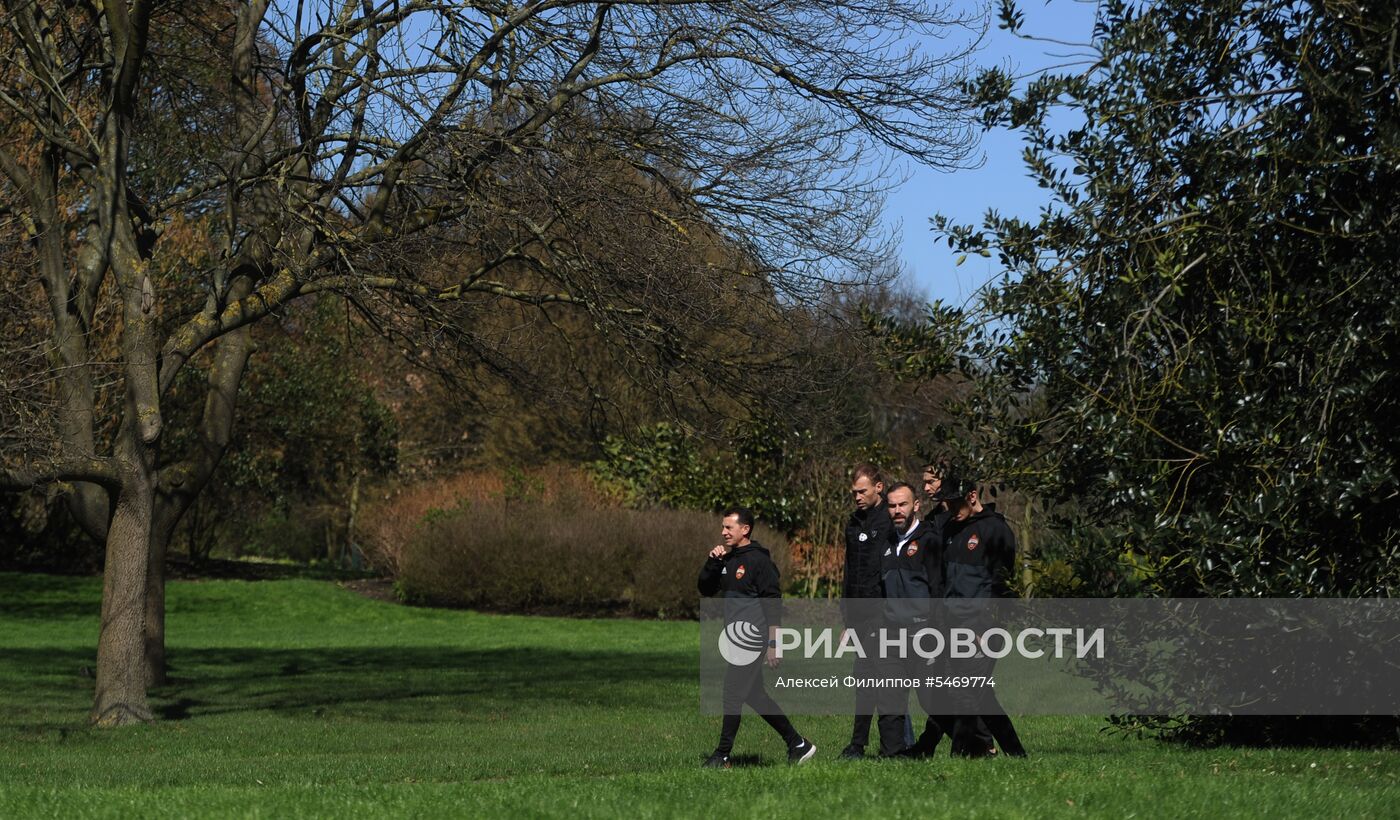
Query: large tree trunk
x,y
121,645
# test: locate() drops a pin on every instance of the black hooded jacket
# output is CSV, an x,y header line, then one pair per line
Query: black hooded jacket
x,y
868,533
979,556
748,579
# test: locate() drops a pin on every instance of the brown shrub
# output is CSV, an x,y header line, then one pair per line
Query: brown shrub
x,y
670,546
390,521
536,558
817,567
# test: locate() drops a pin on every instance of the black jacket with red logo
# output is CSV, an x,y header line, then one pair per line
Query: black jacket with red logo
x,y
907,569
979,557
932,532
747,576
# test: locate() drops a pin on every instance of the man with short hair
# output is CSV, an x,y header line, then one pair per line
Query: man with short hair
x,y
742,571
868,532
933,480
979,559
906,572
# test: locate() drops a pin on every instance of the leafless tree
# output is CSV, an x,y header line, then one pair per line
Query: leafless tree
x,y
563,148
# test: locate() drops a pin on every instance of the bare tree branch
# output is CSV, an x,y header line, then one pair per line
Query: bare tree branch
x,y
96,471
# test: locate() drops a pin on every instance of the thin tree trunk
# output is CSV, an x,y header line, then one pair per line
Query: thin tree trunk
x,y
181,484
162,530
351,522
72,316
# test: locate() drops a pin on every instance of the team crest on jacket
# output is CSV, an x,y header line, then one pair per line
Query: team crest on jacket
x,y
913,548
739,573
972,542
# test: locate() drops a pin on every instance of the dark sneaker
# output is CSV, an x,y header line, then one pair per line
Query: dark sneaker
x,y
718,760
801,753
853,752
915,752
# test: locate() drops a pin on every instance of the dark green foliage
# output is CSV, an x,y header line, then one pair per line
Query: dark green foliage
x,y
660,464
37,534
308,427
316,422
793,479
1194,353
1311,731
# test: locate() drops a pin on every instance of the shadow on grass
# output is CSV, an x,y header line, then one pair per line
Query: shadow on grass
x,y
220,569
12,609
406,685
34,597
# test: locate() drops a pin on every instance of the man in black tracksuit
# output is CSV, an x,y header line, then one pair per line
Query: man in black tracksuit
x,y
742,572
868,533
979,558
938,723
907,569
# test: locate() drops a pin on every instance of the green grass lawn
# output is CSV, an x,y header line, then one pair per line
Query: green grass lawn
x,y
298,698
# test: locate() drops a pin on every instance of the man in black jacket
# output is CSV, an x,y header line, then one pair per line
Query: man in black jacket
x,y
979,558
935,511
930,533
742,572
868,533
907,569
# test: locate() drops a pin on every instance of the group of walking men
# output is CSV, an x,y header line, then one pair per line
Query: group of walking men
x,y
896,563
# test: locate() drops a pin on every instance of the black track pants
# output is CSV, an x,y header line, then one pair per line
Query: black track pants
x,y
743,686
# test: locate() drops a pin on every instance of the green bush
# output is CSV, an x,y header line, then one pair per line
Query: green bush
x,y
296,535
310,429
790,477
521,558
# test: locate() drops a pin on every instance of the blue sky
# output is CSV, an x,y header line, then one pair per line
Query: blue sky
x,y
1002,181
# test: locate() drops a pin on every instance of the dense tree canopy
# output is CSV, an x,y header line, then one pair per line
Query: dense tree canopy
x,y
1193,353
